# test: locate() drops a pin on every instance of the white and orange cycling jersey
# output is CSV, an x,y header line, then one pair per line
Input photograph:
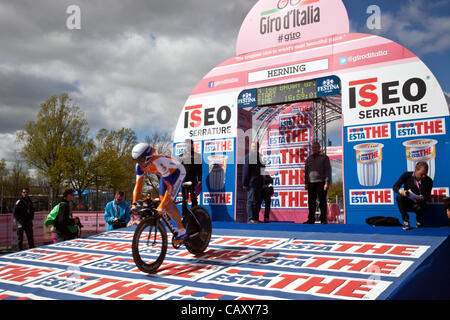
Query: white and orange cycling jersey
x,y
172,175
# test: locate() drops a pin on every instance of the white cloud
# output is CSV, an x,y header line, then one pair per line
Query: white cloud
x,y
9,148
130,65
416,27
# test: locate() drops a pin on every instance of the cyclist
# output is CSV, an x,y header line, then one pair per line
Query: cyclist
x,y
172,175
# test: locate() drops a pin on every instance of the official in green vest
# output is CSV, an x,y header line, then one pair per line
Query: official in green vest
x,y
61,218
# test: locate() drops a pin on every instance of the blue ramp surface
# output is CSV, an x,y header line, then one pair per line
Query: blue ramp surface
x,y
275,261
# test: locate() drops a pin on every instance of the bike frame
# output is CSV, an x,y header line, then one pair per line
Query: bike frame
x,y
184,210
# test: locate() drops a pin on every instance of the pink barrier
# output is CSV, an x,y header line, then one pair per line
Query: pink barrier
x,y
6,226
333,212
300,216
92,222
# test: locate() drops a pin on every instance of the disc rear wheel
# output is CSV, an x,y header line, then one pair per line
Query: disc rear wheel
x,y
199,233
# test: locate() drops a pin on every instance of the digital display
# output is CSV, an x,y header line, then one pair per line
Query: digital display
x,y
287,93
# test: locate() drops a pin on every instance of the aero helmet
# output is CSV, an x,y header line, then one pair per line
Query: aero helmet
x,y
142,150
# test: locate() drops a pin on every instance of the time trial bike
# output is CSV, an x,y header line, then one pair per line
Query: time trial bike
x,y
149,246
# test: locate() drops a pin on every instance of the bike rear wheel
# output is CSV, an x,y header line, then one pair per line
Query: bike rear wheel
x,y
149,245
199,233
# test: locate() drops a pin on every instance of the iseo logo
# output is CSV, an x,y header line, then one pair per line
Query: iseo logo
x,y
194,116
367,92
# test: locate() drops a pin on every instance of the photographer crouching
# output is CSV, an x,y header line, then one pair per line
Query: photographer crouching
x,y
117,212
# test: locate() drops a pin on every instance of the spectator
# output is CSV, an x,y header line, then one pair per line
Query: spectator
x,y
267,193
117,212
24,214
415,193
192,162
447,208
64,223
252,182
317,181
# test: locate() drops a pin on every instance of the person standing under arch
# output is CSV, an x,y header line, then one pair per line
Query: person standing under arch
x,y
317,181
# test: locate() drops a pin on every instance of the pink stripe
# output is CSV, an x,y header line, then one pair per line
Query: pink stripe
x,y
352,43
395,52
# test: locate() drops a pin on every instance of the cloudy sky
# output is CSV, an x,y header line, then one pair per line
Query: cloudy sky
x,y
134,63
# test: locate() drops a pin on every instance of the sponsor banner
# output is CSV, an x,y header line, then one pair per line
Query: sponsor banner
x,y
208,117
371,196
169,269
16,273
192,293
393,93
119,235
295,120
328,86
12,295
232,267
288,177
300,283
381,267
371,132
289,199
380,162
247,99
352,248
406,129
213,146
247,242
272,23
300,136
180,147
218,198
100,286
87,244
278,157
215,254
438,194
57,257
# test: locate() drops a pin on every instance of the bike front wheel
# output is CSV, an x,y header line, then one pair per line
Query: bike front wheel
x,y
149,245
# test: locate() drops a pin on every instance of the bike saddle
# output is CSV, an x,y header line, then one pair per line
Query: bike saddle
x,y
186,184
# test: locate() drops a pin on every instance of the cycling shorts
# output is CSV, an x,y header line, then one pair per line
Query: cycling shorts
x,y
176,179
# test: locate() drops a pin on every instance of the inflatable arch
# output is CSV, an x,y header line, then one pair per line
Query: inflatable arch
x,y
292,57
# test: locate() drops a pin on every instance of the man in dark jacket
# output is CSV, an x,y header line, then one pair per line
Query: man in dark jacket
x,y
24,214
252,182
317,181
267,193
192,162
64,223
415,193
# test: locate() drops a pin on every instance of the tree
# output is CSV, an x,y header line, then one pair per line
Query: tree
x,y
79,166
335,189
17,179
114,166
60,126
